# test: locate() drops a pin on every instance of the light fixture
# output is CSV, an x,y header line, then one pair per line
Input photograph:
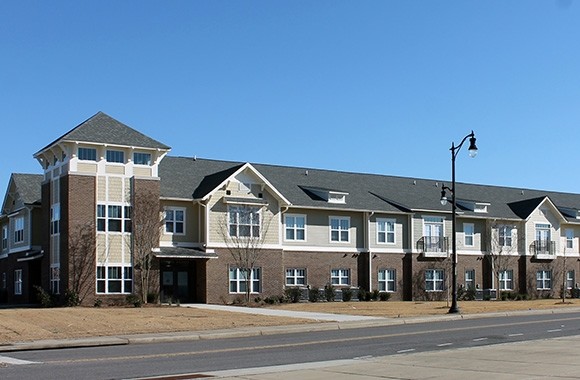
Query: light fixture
x,y
443,197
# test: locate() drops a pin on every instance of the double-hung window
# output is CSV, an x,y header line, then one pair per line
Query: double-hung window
x,y
241,278
544,279
87,154
505,236
569,238
55,219
175,221
4,237
114,279
295,276
18,281
386,231
469,232
470,279
295,226
244,221
570,279
117,156
506,280
114,218
340,277
434,280
387,280
19,230
339,229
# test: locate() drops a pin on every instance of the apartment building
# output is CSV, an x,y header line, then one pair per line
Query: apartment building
x,y
312,227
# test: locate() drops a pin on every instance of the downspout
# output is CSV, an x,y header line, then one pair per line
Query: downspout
x,y
199,228
369,251
281,225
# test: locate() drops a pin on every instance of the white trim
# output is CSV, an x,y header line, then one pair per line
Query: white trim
x,y
340,218
295,229
386,232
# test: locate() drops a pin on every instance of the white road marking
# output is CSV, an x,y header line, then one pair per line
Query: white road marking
x,y
8,360
403,351
479,339
555,330
519,334
444,344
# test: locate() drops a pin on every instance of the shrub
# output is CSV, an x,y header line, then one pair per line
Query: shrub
x,y
133,299
363,295
384,296
98,302
375,295
152,297
293,294
347,294
329,292
71,298
45,299
313,294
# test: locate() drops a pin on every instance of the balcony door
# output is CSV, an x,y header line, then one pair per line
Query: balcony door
x,y
433,233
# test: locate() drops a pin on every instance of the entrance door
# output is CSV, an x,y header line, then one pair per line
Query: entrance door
x,y
177,282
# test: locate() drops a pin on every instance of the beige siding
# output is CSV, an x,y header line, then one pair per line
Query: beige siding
x,y
191,224
142,172
543,215
401,231
115,169
85,167
478,236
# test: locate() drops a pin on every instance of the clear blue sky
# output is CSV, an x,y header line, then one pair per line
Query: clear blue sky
x,y
366,86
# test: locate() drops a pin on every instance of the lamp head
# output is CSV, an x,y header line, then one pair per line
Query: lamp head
x,y
472,147
443,197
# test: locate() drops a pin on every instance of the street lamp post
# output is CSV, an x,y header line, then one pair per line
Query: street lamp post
x,y
472,153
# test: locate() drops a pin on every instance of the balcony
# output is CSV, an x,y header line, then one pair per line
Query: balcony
x,y
543,249
433,246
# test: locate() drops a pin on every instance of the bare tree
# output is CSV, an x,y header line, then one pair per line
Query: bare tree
x,y
500,252
147,221
244,230
82,249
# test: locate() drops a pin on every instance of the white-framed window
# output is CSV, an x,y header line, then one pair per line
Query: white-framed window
x,y
506,279
505,236
114,218
433,234
4,237
386,231
141,158
238,280
18,281
175,220
19,230
55,279
469,232
570,279
55,219
340,277
244,221
543,232
339,229
569,238
87,154
387,280
295,276
114,279
434,280
295,226
544,279
117,156
470,279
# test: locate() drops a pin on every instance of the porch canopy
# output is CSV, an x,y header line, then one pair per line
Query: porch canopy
x,y
183,253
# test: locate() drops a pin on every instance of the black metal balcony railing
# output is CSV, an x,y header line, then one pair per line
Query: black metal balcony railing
x,y
428,244
544,247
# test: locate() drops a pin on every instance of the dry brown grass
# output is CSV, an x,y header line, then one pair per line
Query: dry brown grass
x,y
62,323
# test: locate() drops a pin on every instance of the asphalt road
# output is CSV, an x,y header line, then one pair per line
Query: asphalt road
x,y
204,356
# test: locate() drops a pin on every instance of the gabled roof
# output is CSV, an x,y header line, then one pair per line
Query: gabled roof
x,y
103,129
27,187
524,208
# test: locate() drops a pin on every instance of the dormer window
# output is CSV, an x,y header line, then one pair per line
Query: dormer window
x,y
115,156
480,207
141,158
87,154
328,195
336,197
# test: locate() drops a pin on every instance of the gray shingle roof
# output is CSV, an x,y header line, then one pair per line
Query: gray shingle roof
x,y
193,178
28,187
103,129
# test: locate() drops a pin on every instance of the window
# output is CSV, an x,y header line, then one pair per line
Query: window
x,y
295,277
114,218
340,276
115,156
387,280
87,154
18,281
543,232
175,221
244,221
4,237
469,231
142,158
239,280
570,279
434,280
114,279
470,279
505,236
55,280
506,280
55,219
295,227
386,231
4,280
569,238
19,230
544,279
433,234
339,229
